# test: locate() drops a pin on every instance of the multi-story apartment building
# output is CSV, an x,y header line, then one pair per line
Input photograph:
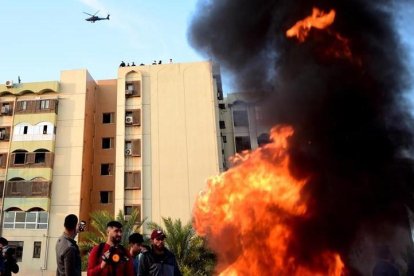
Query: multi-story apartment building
x,y
146,140
242,126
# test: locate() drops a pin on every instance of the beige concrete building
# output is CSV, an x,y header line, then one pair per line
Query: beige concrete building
x,y
146,140
241,124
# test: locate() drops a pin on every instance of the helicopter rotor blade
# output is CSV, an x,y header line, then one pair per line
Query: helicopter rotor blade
x,y
87,13
96,13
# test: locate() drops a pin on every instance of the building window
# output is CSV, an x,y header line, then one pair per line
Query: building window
x,y
40,157
129,87
5,109
224,137
44,104
132,180
105,197
222,125
263,139
18,249
3,159
128,148
45,129
222,106
106,169
107,143
3,133
128,210
37,248
42,219
133,147
107,118
242,143
240,118
25,220
259,113
23,105
25,128
19,158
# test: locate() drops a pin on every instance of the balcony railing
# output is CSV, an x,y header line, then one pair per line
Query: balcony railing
x,y
28,189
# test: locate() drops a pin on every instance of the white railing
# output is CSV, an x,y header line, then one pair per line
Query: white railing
x,y
33,137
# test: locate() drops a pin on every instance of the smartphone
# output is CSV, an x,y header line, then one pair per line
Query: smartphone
x,y
82,226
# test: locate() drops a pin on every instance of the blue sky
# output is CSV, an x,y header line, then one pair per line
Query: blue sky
x,y
41,38
51,36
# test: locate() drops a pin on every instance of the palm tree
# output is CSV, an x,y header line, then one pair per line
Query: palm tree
x,y
190,250
99,219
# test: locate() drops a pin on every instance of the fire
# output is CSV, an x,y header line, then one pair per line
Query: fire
x,y
339,47
318,20
247,213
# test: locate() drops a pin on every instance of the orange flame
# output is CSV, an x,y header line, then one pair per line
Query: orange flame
x,y
338,48
246,215
318,20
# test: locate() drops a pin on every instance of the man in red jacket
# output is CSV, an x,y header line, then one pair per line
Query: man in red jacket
x,y
110,258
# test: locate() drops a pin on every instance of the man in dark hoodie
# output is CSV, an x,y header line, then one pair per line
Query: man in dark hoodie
x,y
10,263
158,261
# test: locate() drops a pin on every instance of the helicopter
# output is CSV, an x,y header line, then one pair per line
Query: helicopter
x,y
94,18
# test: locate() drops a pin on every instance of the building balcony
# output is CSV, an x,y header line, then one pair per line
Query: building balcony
x,y
132,180
6,109
4,133
31,160
37,106
133,89
28,189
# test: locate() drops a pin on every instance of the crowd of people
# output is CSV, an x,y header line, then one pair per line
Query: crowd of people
x,y
123,64
111,258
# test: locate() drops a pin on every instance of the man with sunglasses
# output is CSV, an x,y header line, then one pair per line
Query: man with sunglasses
x,y
158,261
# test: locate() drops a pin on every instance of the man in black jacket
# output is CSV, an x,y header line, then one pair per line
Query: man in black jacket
x,y
67,251
158,261
10,263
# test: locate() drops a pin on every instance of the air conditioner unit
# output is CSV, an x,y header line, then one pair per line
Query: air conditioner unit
x,y
128,152
129,119
129,92
9,83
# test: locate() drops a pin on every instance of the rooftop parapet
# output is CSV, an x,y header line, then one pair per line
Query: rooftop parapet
x,y
34,87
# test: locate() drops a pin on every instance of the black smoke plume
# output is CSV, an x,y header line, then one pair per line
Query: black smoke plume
x,y
352,120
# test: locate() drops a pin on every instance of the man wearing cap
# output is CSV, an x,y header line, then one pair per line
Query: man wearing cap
x,y
158,261
110,258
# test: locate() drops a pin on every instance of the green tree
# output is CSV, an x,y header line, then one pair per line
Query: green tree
x,y
99,219
190,250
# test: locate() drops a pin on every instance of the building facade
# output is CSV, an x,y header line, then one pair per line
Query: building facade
x,y
146,140
241,123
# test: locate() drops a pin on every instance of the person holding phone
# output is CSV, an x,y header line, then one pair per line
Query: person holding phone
x,y
67,251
